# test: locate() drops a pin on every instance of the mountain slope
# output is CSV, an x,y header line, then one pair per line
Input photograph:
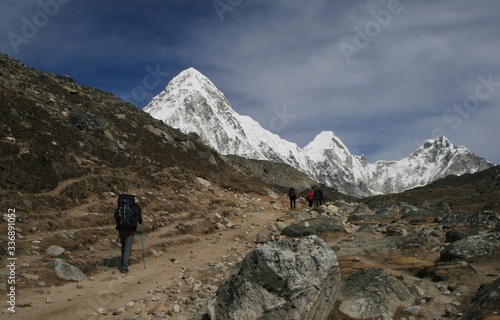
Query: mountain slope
x,y
192,103
64,144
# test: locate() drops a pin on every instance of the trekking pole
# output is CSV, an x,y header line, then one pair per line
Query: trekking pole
x,y
142,240
112,250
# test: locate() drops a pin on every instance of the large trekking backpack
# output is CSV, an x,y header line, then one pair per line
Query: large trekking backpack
x,y
291,192
126,218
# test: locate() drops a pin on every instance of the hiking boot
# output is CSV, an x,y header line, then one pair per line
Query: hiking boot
x,y
123,269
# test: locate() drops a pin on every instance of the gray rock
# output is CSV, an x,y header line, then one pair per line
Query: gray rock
x,y
66,271
492,237
483,219
84,120
458,234
413,310
373,293
314,227
466,248
287,279
55,251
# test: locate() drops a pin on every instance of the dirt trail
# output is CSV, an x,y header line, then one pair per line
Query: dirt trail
x,y
178,260
109,289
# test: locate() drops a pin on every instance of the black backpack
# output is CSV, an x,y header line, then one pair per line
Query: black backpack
x,y
291,192
127,220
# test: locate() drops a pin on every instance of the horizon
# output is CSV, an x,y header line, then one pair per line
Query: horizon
x,y
383,75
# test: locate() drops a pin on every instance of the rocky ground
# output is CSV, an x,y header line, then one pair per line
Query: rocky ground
x,y
190,253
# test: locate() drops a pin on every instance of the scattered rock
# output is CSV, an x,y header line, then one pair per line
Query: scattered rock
x,y
66,271
55,251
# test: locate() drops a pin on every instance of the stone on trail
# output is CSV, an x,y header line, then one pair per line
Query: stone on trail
x,y
55,251
66,271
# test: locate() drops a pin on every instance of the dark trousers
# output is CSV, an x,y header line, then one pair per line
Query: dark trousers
x,y
127,241
292,202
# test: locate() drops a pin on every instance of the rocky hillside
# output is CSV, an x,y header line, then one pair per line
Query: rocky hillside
x,y
479,191
63,144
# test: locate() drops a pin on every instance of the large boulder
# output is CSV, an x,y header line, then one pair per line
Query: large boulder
x,y
373,294
467,248
287,279
481,219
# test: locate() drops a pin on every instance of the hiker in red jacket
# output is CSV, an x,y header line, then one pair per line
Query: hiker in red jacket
x,y
310,197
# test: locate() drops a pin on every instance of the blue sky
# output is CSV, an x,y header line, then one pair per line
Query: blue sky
x,y
384,75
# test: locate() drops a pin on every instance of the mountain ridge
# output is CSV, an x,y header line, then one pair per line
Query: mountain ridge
x,y
192,103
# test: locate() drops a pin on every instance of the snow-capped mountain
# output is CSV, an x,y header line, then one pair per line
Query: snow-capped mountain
x,y
192,103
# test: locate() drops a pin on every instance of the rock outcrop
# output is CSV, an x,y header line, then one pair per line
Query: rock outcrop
x,y
288,279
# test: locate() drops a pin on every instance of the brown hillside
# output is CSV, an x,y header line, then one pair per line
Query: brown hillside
x,y
471,192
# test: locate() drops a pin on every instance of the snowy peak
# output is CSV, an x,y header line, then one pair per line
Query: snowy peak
x,y
438,143
189,85
439,150
193,79
324,141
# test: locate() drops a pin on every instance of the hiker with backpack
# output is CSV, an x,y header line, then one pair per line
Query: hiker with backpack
x,y
292,193
316,197
321,195
127,215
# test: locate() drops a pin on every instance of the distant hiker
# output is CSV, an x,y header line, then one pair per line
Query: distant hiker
x,y
321,197
127,215
292,193
316,197
310,197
